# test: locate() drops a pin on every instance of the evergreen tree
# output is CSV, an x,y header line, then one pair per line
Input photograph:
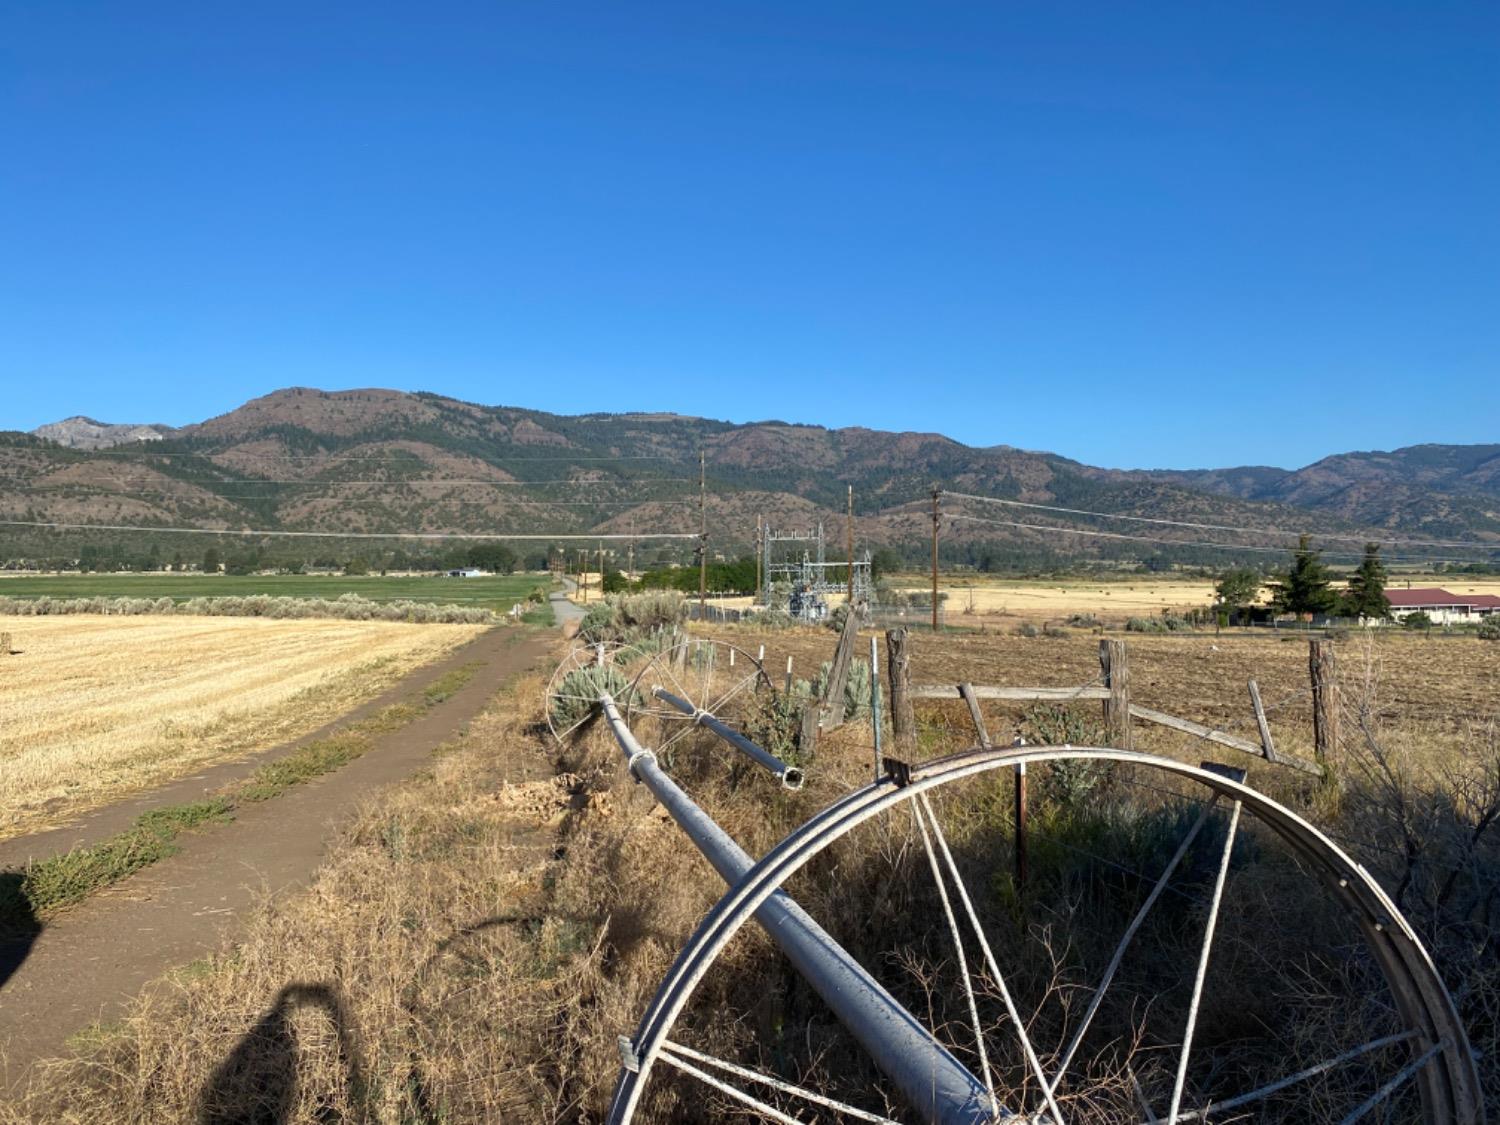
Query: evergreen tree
x,y
1366,596
211,561
1238,588
1306,588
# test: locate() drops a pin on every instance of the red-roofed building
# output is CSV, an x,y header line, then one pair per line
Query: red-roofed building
x,y
1443,607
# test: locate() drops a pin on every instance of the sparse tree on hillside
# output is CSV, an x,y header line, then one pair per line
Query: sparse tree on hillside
x,y
1366,596
1306,588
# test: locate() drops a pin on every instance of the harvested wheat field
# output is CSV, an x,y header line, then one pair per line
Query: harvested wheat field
x,y
1111,600
98,706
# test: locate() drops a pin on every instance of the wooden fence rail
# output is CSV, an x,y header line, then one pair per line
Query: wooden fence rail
x,y
1011,694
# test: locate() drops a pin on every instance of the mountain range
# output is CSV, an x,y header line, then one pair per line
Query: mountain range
x,y
376,461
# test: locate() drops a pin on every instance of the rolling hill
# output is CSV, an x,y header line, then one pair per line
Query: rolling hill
x,y
378,461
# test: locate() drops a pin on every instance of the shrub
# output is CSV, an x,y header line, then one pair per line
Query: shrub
x,y
1489,628
580,687
1026,629
600,623
1418,620
1145,625
856,687
350,607
774,721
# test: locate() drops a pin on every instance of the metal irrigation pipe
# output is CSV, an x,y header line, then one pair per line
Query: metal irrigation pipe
x,y
789,776
936,1084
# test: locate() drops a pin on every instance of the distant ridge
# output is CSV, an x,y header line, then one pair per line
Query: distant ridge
x,y
378,460
82,432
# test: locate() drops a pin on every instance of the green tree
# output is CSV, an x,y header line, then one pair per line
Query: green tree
x,y
1238,588
1366,595
211,561
1307,587
884,561
497,558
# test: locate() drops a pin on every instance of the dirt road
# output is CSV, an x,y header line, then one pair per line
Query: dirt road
x,y
87,964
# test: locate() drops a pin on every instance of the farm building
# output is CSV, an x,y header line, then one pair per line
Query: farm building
x,y
1444,608
468,572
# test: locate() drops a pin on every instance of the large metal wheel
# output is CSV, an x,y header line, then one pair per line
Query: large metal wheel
x,y
696,677
1397,1053
569,698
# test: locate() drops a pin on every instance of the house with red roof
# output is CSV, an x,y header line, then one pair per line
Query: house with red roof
x,y
1443,607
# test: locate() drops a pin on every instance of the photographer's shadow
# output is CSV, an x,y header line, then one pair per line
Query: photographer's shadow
x,y
257,1083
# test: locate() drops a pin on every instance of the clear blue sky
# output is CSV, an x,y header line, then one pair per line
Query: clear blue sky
x,y
1136,234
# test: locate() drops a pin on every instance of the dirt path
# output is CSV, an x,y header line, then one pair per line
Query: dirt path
x,y
87,965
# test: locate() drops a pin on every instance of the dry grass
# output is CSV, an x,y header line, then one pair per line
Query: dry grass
x,y
1114,600
455,961
96,707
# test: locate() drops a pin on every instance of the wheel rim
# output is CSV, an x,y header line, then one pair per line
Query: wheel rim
x,y
1434,1054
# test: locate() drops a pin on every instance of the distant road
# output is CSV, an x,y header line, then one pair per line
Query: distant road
x,y
564,611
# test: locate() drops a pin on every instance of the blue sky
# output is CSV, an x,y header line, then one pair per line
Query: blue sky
x,y
1136,234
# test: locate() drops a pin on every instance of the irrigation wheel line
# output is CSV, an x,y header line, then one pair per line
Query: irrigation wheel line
x,y
691,670
1439,1060
583,654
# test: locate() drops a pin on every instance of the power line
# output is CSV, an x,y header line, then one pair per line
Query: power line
x,y
346,457
426,535
1228,547
421,480
1494,546
208,493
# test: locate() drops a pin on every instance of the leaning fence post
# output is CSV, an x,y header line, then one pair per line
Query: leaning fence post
x,y
1116,673
898,674
1260,720
1325,693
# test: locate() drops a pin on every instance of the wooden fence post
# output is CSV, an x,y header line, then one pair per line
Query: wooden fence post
x,y
1116,671
898,676
4,644
838,675
1325,693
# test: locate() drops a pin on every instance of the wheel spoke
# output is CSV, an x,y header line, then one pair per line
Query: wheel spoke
x,y
670,1049
1208,941
994,967
1130,931
963,961
713,708
1399,1079
1292,1079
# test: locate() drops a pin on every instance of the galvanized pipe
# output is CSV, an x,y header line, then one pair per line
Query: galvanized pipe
x,y
790,776
938,1086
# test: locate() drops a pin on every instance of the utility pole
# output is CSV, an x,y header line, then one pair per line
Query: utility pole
x,y
937,494
601,568
583,575
702,538
758,549
850,522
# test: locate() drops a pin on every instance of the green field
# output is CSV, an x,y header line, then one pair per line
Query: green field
x,y
497,593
